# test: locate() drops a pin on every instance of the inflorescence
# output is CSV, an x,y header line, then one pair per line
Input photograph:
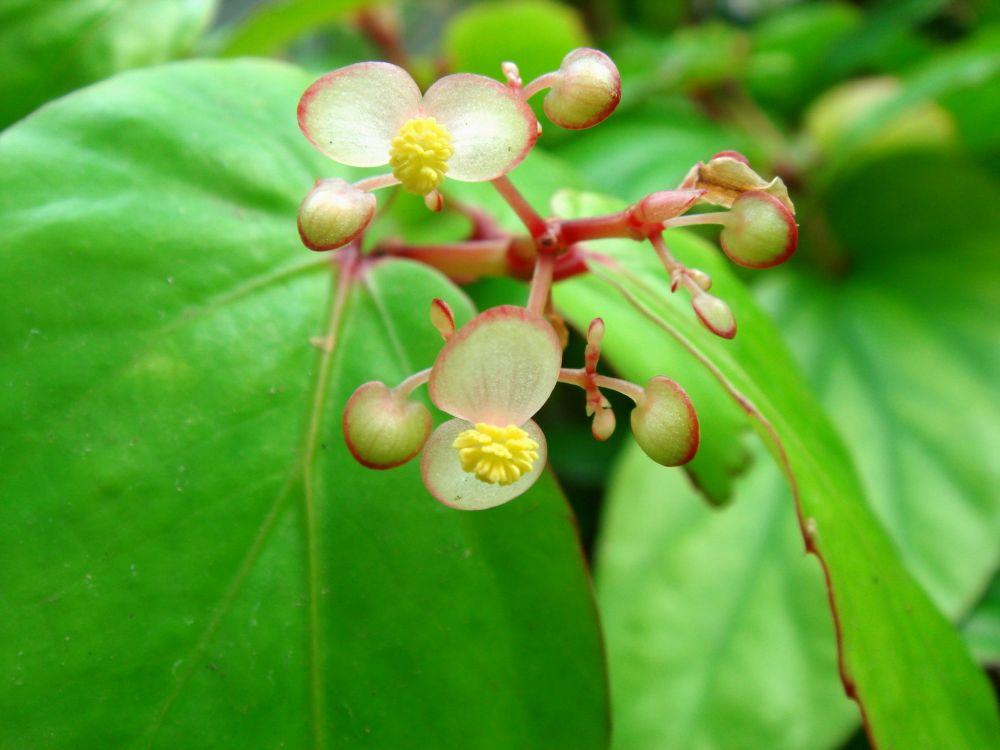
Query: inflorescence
x,y
494,373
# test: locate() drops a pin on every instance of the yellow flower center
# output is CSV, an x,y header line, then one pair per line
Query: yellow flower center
x,y
419,154
496,455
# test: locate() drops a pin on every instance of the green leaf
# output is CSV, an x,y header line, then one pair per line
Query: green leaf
x,y
704,608
786,66
911,674
632,156
198,561
982,628
50,48
901,350
535,34
271,26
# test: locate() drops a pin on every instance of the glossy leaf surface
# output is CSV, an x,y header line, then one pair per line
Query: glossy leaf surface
x,y
197,560
49,48
886,621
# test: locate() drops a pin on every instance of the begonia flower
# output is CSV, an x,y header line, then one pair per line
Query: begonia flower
x,y
492,376
370,114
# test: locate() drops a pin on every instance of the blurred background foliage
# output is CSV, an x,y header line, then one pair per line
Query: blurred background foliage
x,y
882,117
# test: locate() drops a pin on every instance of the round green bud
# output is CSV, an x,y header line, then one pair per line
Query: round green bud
x,y
760,231
383,429
664,423
586,90
334,213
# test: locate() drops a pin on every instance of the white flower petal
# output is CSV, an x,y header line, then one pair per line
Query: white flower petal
x,y
491,127
445,479
353,113
499,368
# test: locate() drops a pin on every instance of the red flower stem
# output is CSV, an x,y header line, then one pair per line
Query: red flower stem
x,y
714,217
413,382
674,267
580,378
597,228
378,181
534,223
544,81
541,283
468,259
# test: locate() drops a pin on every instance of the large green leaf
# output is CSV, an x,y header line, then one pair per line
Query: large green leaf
x,y
913,678
719,634
49,48
194,560
982,628
902,350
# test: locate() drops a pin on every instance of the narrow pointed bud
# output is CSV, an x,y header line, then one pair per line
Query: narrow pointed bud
x,y
760,232
587,88
434,201
715,315
665,204
603,425
699,277
334,213
725,177
664,423
382,428
442,318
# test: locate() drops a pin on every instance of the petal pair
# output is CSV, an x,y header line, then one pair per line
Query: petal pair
x,y
353,114
495,372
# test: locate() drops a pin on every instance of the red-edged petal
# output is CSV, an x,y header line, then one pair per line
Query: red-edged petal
x,y
499,368
445,479
491,127
353,113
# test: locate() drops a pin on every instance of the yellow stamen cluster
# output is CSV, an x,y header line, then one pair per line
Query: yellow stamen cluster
x,y
496,455
419,154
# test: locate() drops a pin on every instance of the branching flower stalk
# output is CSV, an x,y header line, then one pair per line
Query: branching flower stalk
x,y
494,373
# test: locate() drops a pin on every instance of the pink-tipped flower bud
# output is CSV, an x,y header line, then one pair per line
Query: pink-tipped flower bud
x,y
715,315
586,90
665,204
334,213
664,423
760,232
699,277
382,428
603,425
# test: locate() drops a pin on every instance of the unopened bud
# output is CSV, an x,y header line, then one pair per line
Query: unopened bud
x,y
664,423
587,89
442,318
334,213
382,428
715,315
699,277
665,204
725,178
603,425
760,232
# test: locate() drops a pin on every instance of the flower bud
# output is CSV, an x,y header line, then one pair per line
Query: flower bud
x,y
699,277
760,232
727,176
665,204
715,315
334,213
603,425
382,428
587,89
664,423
